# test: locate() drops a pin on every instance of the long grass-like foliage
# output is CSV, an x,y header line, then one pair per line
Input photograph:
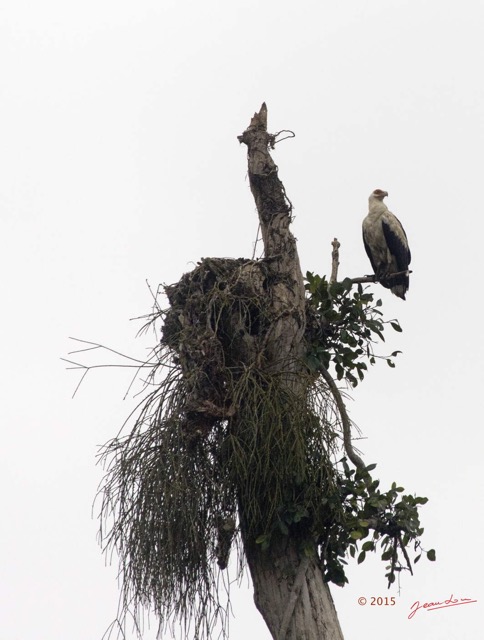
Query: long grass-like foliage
x,y
170,491
160,502
219,443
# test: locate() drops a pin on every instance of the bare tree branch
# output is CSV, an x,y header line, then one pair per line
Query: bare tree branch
x,y
334,260
345,420
373,278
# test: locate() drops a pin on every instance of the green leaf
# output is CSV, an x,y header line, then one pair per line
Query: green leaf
x,y
431,555
396,326
264,541
283,528
361,557
356,535
312,362
368,545
351,378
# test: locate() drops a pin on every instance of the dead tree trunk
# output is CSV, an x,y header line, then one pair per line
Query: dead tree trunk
x,y
290,592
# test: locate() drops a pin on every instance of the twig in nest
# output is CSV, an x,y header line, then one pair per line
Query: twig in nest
x,y
137,364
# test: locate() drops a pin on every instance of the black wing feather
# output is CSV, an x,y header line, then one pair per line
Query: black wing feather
x,y
397,248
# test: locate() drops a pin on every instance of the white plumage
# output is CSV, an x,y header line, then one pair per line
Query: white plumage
x,y
386,245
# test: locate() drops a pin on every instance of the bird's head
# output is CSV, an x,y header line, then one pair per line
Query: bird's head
x,y
378,194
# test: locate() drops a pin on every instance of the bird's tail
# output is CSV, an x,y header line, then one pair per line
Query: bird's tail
x,y
399,290
397,284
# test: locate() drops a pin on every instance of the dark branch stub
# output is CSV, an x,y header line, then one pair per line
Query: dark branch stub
x,y
334,260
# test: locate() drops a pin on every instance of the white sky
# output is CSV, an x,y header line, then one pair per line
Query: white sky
x,y
119,163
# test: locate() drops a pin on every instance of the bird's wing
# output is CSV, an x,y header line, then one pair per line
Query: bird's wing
x,y
367,233
369,252
396,239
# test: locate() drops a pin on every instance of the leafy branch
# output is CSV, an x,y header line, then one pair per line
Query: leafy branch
x,y
393,518
351,508
344,326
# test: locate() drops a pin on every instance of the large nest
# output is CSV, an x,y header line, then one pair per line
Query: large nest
x,y
215,327
219,439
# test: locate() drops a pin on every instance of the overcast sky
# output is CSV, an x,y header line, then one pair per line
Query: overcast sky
x,y
119,164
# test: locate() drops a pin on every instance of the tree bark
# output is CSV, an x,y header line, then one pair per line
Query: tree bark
x,y
290,593
285,341
289,590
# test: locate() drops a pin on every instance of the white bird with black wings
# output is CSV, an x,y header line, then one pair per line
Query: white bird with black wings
x,y
386,245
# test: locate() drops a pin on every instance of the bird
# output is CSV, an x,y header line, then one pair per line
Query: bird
x,y
386,244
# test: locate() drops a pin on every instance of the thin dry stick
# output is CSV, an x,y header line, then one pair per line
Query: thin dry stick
x,y
256,242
